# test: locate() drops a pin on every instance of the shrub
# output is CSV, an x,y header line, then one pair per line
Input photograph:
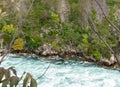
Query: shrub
x,y
18,44
8,77
8,29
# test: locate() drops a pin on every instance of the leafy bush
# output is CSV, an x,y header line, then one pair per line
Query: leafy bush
x,y
3,18
18,44
55,17
8,77
32,42
8,29
56,46
8,33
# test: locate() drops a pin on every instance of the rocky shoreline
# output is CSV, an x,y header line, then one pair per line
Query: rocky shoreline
x,y
47,52
105,63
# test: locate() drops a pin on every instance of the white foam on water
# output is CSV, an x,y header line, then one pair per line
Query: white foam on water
x,y
73,74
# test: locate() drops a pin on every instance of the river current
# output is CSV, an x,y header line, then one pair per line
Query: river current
x,y
67,74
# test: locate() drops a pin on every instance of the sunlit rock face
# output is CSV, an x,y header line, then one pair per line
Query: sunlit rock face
x,y
67,74
86,7
64,10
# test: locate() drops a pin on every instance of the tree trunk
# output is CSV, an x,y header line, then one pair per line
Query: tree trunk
x,y
64,10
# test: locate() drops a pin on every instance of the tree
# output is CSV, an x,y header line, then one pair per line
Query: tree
x,y
91,7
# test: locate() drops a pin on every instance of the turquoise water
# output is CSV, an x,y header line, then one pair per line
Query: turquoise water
x,y
68,74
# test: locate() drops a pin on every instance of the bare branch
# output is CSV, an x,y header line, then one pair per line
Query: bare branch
x,y
45,71
93,26
114,26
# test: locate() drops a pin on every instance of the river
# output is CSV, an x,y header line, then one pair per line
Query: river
x,y
67,74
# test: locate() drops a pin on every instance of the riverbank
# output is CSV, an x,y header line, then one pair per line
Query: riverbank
x,y
71,54
69,74
61,56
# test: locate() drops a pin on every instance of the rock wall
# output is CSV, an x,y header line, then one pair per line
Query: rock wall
x,y
63,10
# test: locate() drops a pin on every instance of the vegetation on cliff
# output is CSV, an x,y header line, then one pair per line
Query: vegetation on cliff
x,y
90,27
69,28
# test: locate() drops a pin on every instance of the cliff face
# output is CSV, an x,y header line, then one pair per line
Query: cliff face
x,y
63,24
91,6
64,10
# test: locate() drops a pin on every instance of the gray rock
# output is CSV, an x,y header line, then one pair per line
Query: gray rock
x,y
106,62
58,61
112,59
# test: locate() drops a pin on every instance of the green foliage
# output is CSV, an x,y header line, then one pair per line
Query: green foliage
x,y
8,77
8,33
42,25
74,4
55,17
8,29
113,2
32,42
56,46
69,34
95,52
18,44
85,40
3,18
30,79
2,14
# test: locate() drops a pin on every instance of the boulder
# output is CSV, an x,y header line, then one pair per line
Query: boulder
x,y
58,61
105,62
113,59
